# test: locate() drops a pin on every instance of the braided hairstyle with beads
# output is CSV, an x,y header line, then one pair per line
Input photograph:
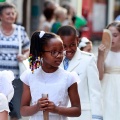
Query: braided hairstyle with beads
x,y
39,40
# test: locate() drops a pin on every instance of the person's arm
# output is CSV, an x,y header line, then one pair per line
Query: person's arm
x,y
100,61
94,88
74,110
4,108
26,53
4,115
26,109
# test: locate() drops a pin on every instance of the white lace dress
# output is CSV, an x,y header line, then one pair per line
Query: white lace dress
x,y
111,87
55,84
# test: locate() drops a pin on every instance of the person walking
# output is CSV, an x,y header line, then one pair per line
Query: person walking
x,y
9,48
109,71
46,77
84,64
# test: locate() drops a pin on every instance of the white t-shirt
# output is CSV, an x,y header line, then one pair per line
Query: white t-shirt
x,y
55,84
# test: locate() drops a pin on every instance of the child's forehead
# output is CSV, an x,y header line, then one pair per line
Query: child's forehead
x,y
54,41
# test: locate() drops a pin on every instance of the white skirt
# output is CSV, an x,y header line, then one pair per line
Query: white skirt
x,y
111,96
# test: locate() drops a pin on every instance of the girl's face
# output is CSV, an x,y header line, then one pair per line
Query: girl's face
x,y
115,38
70,45
8,16
53,54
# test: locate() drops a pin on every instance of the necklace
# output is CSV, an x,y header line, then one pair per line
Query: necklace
x,y
7,33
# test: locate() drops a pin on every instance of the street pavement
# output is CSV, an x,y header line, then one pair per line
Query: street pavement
x,y
94,50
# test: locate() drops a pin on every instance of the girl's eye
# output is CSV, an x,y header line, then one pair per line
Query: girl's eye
x,y
114,35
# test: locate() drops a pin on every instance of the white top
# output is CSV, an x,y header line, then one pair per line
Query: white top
x,y
6,87
113,59
55,84
3,103
112,63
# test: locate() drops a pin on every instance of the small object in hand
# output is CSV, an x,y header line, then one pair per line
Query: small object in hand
x,y
106,40
45,113
44,95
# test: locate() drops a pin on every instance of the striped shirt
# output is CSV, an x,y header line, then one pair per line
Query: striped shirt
x,y
9,47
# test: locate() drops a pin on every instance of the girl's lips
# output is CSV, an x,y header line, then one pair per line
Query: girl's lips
x,y
58,62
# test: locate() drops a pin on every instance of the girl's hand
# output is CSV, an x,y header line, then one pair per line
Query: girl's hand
x,y
52,107
42,104
101,50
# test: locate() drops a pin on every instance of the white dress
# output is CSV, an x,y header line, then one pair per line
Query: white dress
x,y
6,87
3,103
55,84
111,87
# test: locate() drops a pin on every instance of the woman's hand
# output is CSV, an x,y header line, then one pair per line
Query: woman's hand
x,y
21,57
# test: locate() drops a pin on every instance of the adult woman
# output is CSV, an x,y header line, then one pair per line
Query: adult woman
x,y
9,47
109,71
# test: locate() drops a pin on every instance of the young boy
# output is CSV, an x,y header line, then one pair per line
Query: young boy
x,y
85,66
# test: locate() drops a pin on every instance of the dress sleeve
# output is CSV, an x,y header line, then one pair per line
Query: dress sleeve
x,y
73,78
3,103
6,87
25,77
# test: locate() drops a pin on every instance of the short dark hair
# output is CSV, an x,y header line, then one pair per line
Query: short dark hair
x,y
5,5
48,13
67,30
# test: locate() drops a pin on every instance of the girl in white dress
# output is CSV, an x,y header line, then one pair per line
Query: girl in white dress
x,y
4,109
6,92
46,54
109,71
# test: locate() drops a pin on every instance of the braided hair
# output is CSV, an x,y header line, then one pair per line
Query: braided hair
x,y
39,40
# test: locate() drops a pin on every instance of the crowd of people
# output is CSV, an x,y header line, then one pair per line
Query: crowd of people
x,y
77,84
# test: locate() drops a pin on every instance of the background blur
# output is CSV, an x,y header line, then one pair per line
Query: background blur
x,y
98,13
